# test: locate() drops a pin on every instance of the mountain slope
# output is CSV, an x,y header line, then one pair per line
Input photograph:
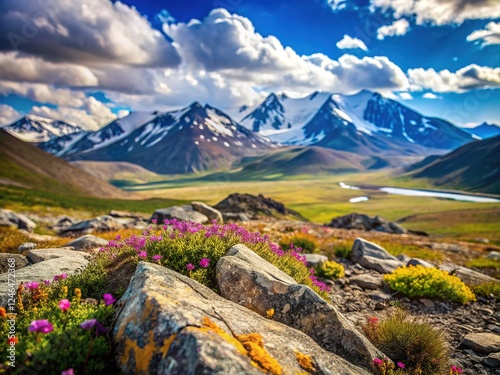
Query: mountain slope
x,y
24,165
391,125
37,129
473,167
484,130
194,139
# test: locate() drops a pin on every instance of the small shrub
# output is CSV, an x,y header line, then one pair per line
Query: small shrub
x,y
308,245
329,270
342,249
430,283
410,341
488,289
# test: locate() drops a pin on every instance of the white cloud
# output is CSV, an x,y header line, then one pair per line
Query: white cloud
x,y
399,27
8,114
353,74
348,42
92,117
405,96
430,95
86,31
487,36
441,12
21,68
468,78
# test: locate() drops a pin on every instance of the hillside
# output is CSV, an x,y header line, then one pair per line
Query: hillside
x,y
24,165
109,171
473,167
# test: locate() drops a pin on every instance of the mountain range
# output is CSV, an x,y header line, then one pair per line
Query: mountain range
x,y
484,130
201,138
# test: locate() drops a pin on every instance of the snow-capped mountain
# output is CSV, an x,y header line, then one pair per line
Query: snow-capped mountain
x,y
307,121
484,130
114,131
193,139
38,129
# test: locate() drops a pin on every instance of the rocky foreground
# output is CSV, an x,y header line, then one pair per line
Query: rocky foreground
x,y
261,320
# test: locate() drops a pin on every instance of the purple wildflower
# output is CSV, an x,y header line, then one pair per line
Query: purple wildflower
x,y
108,299
157,257
42,326
401,365
377,361
32,285
204,262
189,267
91,323
64,305
69,371
143,255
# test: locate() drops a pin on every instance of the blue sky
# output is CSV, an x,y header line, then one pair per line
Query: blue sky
x,y
68,61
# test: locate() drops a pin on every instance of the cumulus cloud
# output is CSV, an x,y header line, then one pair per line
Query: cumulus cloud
x,y
8,114
405,96
87,31
487,36
348,42
441,12
399,27
468,78
353,74
91,117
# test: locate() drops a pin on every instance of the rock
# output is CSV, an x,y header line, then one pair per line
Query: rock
x,y
12,219
483,343
367,223
208,211
254,206
49,263
403,258
426,302
63,223
380,296
96,225
471,277
125,214
26,246
247,279
232,216
452,247
185,213
419,262
314,259
18,262
367,281
373,256
87,242
170,324
493,255
492,360
481,240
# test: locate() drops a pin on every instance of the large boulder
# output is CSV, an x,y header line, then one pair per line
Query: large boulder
x,y
48,263
366,223
314,259
245,278
10,218
254,206
99,224
468,276
482,342
208,211
185,213
16,260
373,256
170,324
87,242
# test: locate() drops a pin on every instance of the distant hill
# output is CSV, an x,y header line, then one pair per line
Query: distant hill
x,y
473,167
24,165
116,170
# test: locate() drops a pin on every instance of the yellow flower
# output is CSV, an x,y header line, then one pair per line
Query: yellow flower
x,y
270,313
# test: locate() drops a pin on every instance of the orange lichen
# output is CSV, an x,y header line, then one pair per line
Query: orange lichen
x,y
212,327
270,313
254,344
305,361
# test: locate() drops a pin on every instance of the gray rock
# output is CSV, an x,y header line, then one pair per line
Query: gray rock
x,y
471,277
170,324
367,281
426,302
99,224
493,255
62,224
185,213
403,258
314,259
373,256
234,216
208,211
125,214
367,223
247,279
87,242
482,342
16,260
380,296
492,360
12,219
49,263
419,262
26,246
